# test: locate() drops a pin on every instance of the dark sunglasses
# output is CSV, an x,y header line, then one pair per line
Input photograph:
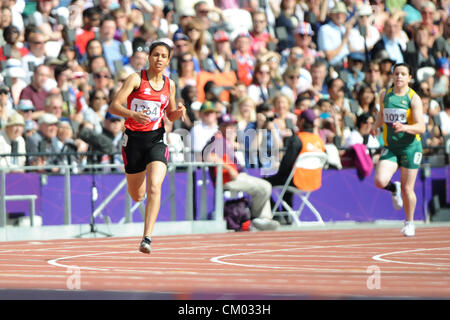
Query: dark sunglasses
x,y
99,76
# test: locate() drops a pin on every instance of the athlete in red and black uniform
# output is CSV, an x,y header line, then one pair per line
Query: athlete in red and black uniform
x,y
149,97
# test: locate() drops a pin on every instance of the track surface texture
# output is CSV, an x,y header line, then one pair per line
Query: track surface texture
x,y
330,264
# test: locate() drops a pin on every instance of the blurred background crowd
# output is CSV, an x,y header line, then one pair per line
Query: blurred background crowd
x,y
263,62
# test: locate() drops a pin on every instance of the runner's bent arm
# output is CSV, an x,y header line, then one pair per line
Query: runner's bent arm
x,y
120,99
173,111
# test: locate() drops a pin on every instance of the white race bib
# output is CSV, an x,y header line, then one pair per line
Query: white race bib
x,y
150,108
392,115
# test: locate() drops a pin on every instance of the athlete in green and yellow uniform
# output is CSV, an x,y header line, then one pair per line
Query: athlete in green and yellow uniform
x,y
401,114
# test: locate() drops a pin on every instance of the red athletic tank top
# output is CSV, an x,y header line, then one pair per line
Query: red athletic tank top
x,y
151,101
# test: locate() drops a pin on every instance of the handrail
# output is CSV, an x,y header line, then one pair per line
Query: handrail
x,y
67,194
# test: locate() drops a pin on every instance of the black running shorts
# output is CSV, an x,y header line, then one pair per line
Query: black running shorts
x,y
141,148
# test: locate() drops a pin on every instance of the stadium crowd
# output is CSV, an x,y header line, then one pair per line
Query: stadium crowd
x,y
263,62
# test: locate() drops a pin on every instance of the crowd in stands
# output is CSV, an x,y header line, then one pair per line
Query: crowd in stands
x,y
263,62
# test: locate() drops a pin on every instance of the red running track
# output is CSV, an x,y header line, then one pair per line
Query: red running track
x,y
350,263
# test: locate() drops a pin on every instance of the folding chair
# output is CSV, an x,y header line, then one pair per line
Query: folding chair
x,y
307,162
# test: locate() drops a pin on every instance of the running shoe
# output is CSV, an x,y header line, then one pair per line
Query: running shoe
x,y
145,245
265,224
409,230
397,200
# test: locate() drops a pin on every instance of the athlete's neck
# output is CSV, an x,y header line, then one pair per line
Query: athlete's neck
x,y
155,77
400,91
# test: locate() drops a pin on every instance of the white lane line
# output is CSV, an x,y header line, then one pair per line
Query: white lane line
x,y
379,257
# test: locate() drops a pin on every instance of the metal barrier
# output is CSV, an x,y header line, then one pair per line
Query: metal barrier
x,y
189,166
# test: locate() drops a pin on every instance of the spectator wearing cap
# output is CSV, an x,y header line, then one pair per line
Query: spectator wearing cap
x,y
219,59
390,41
259,34
364,35
36,91
304,141
182,44
113,127
244,57
12,142
45,141
138,60
11,35
221,149
333,37
303,39
203,130
353,75
26,109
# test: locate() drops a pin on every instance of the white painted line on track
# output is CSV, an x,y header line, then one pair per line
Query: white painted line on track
x,y
379,257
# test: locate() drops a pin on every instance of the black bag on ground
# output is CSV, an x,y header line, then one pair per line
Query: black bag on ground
x,y
237,214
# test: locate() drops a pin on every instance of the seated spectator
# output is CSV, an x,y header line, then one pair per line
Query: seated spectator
x,y
45,141
353,75
361,134
5,105
94,48
54,105
432,136
390,41
14,71
418,53
261,88
113,128
26,110
220,149
288,17
11,35
386,64
372,77
203,130
219,59
12,142
259,34
36,91
285,119
103,81
444,116
319,75
291,78
303,39
91,21
244,57
336,90
333,37
304,141
364,35
440,48
95,113
367,102
138,60
245,113
73,147
37,55
186,71
273,59
195,31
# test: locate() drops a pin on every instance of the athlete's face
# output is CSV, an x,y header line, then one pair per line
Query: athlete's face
x,y
159,58
401,76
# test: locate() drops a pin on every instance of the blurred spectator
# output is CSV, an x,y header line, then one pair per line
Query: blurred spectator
x,y
261,88
46,20
113,50
13,48
113,129
73,147
361,134
95,113
296,59
12,142
288,18
291,78
186,71
245,113
372,76
259,34
138,60
37,55
244,58
220,149
390,41
103,80
5,105
364,35
319,74
196,34
441,47
303,39
353,75
54,105
219,59
45,141
285,119
336,90
189,99
418,51
36,90
26,109
444,116
428,12
333,37
273,59
386,64
432,136
203,130
367,102
94,48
